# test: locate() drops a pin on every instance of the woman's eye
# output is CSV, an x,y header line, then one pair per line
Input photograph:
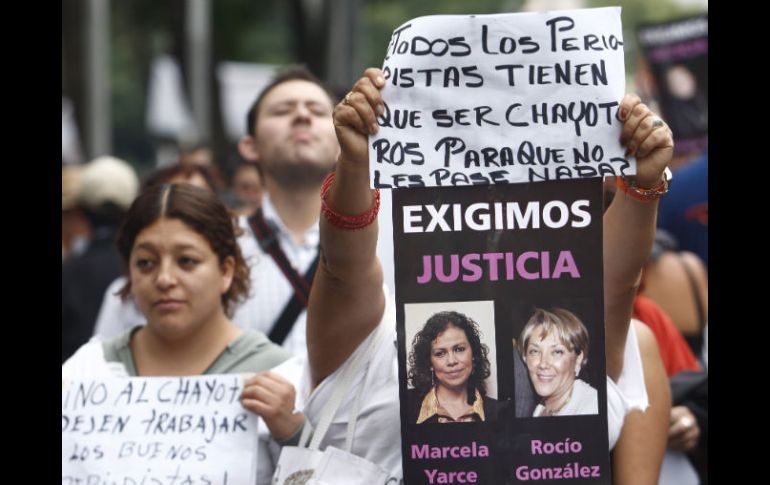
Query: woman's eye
x,y
460,348
532,352
143,263
187,262
440,353
559,352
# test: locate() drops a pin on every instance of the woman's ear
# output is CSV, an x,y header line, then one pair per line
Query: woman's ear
x,y
578,363
228,270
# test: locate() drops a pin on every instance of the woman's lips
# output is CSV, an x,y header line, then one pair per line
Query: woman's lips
x,y
168,305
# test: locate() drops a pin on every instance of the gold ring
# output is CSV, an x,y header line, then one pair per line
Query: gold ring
x,y
347,98
657,122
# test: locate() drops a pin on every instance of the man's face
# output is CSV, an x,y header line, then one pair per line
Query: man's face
x,y
201,157
295,140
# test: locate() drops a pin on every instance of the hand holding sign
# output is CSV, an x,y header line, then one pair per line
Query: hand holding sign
x,y
272,398
355,117
647,138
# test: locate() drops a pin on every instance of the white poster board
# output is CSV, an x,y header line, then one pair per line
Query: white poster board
x,y
482,99
157,430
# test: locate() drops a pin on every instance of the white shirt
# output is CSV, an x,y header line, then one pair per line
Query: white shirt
x,y
379,412
377,435
270,290
584,400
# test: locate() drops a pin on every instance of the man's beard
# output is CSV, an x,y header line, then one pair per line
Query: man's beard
x,y
291,173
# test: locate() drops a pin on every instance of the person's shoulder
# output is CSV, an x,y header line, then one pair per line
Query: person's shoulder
x,y
585,387
695,264
414,398
254,345
491,408
112,346
91,361
586,399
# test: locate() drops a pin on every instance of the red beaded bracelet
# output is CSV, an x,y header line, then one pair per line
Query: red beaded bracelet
x,y
643,194
348,223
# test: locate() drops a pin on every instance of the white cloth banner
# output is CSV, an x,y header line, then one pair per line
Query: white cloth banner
x,y
157,430
482,99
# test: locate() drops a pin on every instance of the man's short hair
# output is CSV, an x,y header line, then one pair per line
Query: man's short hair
x,y
289,73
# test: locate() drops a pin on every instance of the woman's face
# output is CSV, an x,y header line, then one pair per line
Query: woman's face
x,y
195,179
247,186
452,358
176,279
552,366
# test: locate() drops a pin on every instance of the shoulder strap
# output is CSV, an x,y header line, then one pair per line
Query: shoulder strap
x,y
338,393
291,311
268,241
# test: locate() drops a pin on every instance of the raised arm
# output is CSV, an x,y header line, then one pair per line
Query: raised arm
x,y
629,224
347,301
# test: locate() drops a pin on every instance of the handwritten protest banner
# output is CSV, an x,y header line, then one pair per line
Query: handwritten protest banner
x,y
158,430
495,99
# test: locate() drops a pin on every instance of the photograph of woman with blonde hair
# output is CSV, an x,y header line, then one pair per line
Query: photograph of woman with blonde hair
x,y
554,347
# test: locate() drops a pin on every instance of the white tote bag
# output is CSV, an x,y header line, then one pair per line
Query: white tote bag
x,y
305,464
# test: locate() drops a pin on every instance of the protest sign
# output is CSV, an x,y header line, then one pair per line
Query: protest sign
x,y
495,255
157,430
495,99
677,55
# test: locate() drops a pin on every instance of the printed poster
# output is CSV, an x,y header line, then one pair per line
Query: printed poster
x,y
677,53
478,271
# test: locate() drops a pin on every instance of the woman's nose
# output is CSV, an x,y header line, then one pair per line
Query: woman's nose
x,y
166,277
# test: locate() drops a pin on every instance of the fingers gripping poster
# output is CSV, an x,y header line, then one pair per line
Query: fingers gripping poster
x,y
501,334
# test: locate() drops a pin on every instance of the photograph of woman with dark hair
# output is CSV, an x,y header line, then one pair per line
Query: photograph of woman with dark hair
x,y
447,367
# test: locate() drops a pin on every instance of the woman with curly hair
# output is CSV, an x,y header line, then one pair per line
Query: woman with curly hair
x,y
448,366
186,273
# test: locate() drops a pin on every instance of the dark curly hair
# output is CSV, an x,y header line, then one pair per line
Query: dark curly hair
x,y
419,374
202,211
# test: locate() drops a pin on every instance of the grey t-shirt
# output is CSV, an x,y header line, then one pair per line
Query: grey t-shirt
x,y
252,351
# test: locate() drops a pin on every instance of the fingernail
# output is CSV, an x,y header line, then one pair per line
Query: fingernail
x,y
630,150
380,80
623,114
380,110
374,128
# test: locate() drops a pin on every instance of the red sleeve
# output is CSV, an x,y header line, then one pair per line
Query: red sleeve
x,y
674,350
